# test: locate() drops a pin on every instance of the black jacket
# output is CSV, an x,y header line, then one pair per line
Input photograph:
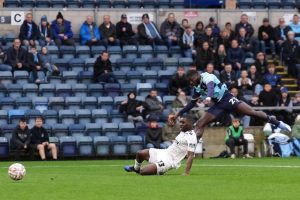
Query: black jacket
x,y
261,67
108,32
296,58
249,29
100,66
269,30
256,79
142,35
154,136
224,78
35,32
277,32
288,50
39,135
20,137
179,82
203,58
130,107
13,55
268,98
124,35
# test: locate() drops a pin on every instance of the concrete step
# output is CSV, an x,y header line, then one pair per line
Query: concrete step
x,y
288,81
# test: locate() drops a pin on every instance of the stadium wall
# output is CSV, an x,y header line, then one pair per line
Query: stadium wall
x,y
77,16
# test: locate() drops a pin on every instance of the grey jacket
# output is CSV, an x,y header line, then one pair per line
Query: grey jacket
x,y
167,29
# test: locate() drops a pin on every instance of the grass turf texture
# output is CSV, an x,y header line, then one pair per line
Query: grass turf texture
x,y
210,179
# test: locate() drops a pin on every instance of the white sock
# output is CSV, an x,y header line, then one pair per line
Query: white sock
x,y
137,165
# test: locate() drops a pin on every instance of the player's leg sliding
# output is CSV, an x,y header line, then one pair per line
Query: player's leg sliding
x,y
140,157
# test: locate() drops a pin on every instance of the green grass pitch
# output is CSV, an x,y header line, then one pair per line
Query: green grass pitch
x,y
210,179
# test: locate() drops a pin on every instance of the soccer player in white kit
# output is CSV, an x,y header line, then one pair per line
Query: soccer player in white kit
x,y
162,160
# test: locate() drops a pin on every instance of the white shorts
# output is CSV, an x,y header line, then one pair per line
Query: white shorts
x,y
161,159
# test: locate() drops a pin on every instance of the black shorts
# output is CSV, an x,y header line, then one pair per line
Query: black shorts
x,y
227,104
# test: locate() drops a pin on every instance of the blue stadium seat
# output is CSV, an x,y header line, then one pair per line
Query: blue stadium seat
x,y
95,89
130,51
14,90
89,103
244,4
58,3
55,79
140,98
178,4
102,145
85,146
115,51
134,3
167,101
6,78
21,77
56,103
89,64
30,115
105,103
112,89
76,130
185,62
68,146
118,100
3,117
67,116
67,52
12,3
165,114
127,87
40,103
52,50
83,116
4,147
50,117
60,130
124,64
3,91
164,76
11,35
149,3
164,4
175,51
150,77
54,140
100,116
145,51
23,103
97,50
259,4
93,129
126,129
73,103
119,3
120,76
79,90
119,146
73,3
274,4
7,130
83,51
7,103
134,77
47,90
86,77
110,129
63,90
89,4
155,63
30,90
116,116
288,4
143,89
162,89
104,4
140,64
77,64
70,77
15,115
135,143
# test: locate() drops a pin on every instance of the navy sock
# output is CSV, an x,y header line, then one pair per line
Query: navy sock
x,y
272,120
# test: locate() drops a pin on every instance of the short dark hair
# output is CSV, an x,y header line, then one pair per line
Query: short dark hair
x,y
22,120
103,52
192,73
39,117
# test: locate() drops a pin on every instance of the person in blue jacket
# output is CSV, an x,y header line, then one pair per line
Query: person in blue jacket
x,y
89,32
62,32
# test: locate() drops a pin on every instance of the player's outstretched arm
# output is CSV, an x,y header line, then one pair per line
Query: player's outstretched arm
x,y
189,163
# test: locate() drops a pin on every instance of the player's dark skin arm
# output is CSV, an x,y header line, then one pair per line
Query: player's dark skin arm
x,y
189,163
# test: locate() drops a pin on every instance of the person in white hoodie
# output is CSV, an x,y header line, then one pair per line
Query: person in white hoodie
x,y
188,42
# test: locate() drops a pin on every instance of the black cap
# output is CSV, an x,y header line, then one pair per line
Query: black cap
x,y
145,16
59,16
123,16
265,20
211,19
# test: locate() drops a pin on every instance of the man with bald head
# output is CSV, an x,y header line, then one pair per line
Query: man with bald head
x,y
108,32
89,32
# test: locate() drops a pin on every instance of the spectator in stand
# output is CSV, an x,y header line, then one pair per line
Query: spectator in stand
x,y
204,56
47,63
245,42
245,86
169,131
256,79
181,100
153,106
210,38
62,31
40,140
184,24
266,36
254,102
89,32
281,33
220,58
199,33
179,82
20,138
288,51
236,56
296,65
235,137
16,57
229,29
125,32
29,31
285,102
187,43
170,30
153,134
296,129
228,76
45,32
295,26
3,67
215,28
210,68
148,33
296,103
108,32
261,63
272,77
103,69
224,38
192,67
132,108
38,74
268,97
244,23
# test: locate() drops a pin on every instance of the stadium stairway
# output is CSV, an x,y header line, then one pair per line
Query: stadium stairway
x,y
287,80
